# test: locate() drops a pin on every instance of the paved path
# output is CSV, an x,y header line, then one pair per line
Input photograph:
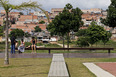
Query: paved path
x,y
66,55
97,70
58,67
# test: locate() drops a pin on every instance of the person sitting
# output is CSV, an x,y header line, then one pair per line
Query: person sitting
x,y
16,44
21,48
33,46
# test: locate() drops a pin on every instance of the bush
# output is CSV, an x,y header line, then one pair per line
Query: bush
x,y
39,44
27,44
82,42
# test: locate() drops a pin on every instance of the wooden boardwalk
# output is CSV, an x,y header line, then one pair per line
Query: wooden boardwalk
x,y
58,67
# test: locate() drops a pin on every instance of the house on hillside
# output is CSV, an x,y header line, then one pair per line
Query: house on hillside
x,y
43,37
27,27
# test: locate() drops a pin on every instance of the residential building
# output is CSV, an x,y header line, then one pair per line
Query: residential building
x,y
28,27
87,18
28,17
56,11
92,10
39,13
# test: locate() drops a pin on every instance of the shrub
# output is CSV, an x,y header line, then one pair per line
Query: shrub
x,y
82,42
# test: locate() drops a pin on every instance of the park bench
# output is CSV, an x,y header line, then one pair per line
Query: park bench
x,y
58,67
49,49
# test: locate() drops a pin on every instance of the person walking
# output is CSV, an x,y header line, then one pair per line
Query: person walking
x,y
33,46
12,44
21,48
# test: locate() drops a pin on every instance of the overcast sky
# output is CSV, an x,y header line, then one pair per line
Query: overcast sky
x,y
82,4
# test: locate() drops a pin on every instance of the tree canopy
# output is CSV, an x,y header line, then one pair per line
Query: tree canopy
x,y
111,15
106,37
81,32
42,22
17,32
68,20
37,29
93,34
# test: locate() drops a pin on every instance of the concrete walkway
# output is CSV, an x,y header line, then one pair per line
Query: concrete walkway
x,y
58,67
97,70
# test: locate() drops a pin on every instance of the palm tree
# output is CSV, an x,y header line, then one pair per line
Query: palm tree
x,y
8,7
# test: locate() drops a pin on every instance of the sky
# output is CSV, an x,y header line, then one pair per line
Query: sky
x,y
82,4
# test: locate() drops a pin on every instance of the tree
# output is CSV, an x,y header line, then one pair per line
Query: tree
x,y
17,32
68,20
81,32
83,41
8,7
1,31
106,37
95,32
111,15
42,22
37,29
92,35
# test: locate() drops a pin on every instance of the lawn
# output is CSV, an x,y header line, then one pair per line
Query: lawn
x,y
39,67
32,67
98,44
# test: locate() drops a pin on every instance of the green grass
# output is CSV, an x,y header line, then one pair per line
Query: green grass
x,y
52,46
39,67
32,67
99,44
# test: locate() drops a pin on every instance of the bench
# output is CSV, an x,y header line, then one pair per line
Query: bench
x,y
49,49
58,67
